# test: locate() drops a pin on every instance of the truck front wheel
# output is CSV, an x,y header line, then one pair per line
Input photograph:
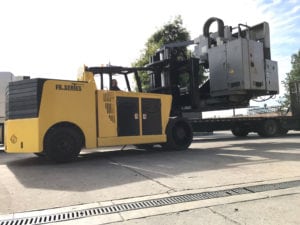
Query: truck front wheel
x,y
179,134
62,144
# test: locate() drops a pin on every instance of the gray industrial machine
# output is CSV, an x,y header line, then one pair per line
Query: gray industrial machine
x,y
238,61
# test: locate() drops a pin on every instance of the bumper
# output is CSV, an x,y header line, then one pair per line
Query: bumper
x,y
22,136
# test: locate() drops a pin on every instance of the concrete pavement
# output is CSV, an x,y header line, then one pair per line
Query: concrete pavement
x,y
266,211
220,161
271,207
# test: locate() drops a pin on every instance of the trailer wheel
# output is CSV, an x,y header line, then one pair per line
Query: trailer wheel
x,y
269,128
62,144
179,134
282,131
239,131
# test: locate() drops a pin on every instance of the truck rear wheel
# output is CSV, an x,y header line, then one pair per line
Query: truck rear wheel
x,y
283,131
62,144
239,131
179,134
269,128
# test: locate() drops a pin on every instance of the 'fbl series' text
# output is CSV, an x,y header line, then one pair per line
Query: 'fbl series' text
x,y
65,87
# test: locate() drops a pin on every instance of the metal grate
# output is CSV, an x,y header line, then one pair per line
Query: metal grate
x,y
72,215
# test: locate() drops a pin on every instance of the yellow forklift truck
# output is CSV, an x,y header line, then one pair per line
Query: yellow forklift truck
x,y
57,118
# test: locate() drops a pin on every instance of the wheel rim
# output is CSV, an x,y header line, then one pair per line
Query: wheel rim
x,y
64,145
271,128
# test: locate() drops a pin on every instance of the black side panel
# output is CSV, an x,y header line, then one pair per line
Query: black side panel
x,y
151,113
128,116
23,98
1,133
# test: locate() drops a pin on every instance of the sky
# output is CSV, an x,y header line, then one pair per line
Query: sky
x,y
53,38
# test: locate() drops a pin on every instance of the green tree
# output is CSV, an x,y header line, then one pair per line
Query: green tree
x,y
293,75
173,31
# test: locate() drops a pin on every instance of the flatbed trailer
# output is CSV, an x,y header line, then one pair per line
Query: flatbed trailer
x,y
267,126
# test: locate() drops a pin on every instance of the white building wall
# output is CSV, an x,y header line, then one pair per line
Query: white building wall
x,y
5,78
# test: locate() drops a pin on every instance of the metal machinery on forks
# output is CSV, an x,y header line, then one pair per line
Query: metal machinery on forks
x,y
238,62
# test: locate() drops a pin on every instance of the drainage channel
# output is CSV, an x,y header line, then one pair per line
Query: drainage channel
x,y
117,208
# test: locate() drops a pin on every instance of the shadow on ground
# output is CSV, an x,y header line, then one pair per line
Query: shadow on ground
x,y
99,169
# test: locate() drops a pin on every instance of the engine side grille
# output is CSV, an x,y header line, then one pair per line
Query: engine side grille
x,y
23,98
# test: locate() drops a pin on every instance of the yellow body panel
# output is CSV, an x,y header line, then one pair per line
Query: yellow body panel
x,y
113,141
61,101
107,114
76,107
22,135
107,122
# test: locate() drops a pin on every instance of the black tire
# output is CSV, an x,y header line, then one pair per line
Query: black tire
x,y
40,154
239,131
62,144
269,128
179,134
145,146
283,131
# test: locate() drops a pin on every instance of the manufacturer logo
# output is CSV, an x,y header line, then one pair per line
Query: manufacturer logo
x,y
13,139
68,87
